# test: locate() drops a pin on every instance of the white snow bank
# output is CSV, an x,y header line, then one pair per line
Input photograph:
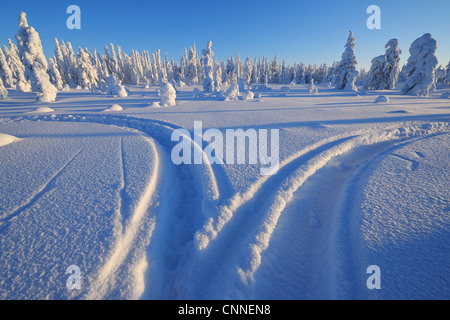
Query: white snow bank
x,y
382,99
42,110
445,95
114,107
7,139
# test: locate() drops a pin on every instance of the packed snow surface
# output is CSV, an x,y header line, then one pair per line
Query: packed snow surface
x,y
358,184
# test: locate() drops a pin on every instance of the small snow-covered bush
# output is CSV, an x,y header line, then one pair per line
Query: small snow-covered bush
x,y
114,88
196,93
285,89
232,93
292,83
382,99
168,95
247,95
312,88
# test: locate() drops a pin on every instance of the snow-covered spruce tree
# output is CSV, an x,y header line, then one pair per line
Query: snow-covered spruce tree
x,y
55,76
59,60
5,71
207,65
230,71
17,67
265,71
346,71
377,78
392,55
87,74
447,75
312,88
284,76
3,91
217,75
168,95
274,71
421,67
71,64
33,58
247,72
191,69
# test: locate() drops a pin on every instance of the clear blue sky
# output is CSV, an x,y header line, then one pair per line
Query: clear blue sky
x,y
312,31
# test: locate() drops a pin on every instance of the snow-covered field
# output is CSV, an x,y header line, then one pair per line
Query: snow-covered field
x,y
359,183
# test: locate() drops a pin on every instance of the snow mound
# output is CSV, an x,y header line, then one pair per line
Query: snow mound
x,y
42,110
247,95
382,99
445,95
232,93
7,139
154,104
261,88
114,107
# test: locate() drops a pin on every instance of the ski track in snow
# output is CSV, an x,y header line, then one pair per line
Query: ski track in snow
x,y
236,230
4,221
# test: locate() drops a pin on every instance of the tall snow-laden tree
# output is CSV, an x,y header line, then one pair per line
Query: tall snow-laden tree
x,y
3,91
17,67
377,78
191,70
207,64
284,75
447,75
421,67
274,71
87,74
5,71
346,71
217,75
55,76
33,58
247,72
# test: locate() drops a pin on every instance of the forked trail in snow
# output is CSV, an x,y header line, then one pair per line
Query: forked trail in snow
x,y
187,238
